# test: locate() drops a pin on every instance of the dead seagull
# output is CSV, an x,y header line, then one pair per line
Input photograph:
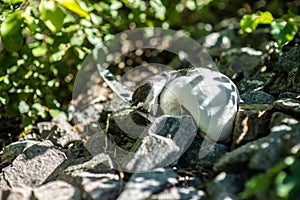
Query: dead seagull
x,y
208,95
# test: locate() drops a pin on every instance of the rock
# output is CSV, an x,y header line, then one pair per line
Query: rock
x,y
225,186
290,106
191,158
180,192
100,163
94,176
260,81
252,121
11,151
289,95
96,185
279,118
280,84
165,141
288,78
144,185
290,59
262,154
245,60
58,131
56,190
293,80
257,97
217,42
16,193
38,163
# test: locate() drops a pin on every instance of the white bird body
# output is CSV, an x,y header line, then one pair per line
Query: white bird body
x,y
209,96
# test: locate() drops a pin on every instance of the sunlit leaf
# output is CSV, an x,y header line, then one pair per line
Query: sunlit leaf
x,y
58,113
23,107
52,15
74,7
41,111
10,31
283,31
250,22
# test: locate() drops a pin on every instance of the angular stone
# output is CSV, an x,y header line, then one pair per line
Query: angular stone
x,y
35,165
252,121
94,176
144,185
180,192
191,158
95,185
257,97
279,118
289,95
245,60
225,186
293,80
264,153
258,82
290,106
288,60
165,141
16,193
100,163
11,151
217,42
56,190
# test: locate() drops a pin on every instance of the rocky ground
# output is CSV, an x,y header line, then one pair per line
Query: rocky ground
x,y
58,163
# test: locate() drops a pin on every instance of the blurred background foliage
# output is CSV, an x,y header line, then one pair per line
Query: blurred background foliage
x,y
43,44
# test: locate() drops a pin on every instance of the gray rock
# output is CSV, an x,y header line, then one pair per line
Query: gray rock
x,y
290,59
94,176
259,82
279,118
225,186
165,141
191,158
251,122
293,80
144,185
217,42
16,194
257,97
180,192
11,151
289,95
35,165
245,60
100,163
290,106
96,185
262,154
56,190
59,131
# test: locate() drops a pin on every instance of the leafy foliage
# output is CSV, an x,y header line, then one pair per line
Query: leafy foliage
x,y
283,29
283,177
43,43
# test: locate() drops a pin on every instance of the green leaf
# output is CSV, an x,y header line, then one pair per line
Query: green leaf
x,y
247,24
12,24
52,15
23,107
74,7
10,31
283,31
57,113
41,111
283,187
250,22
